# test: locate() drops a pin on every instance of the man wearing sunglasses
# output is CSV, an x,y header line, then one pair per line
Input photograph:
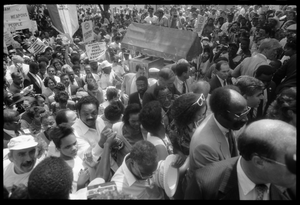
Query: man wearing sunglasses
x,y
139,171
260,173
214,139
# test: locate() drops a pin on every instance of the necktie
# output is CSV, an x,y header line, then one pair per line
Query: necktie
x,y
183,88
232,145
260,109
225,82
260,189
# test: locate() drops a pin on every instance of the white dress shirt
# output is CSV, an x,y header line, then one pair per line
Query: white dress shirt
x,y
247,187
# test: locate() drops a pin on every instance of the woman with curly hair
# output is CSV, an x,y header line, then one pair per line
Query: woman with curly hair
x,y
284,106
187,111
62,102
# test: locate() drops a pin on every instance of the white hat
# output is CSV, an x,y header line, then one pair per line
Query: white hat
x,y
105,64
21,142
153,70
171,176
167,176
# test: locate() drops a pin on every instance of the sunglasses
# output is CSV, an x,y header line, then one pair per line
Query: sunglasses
x,y
200,100
140,174
241,114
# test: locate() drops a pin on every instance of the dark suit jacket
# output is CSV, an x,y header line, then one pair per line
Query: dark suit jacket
x,y
149,94
215,83
219,181
134,98
30,80
79,81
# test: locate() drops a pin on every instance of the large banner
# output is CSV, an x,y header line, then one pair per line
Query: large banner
x,y
96,51
64,17
16,16
87,31
37,47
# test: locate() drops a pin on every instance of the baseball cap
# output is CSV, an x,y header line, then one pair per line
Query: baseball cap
x,y
153,70
21,142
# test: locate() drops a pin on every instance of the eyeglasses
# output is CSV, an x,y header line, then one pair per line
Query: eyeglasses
x,y
200,100
274,161
241,114
140,174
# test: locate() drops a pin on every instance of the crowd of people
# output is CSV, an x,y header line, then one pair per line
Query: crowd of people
x,y
228,116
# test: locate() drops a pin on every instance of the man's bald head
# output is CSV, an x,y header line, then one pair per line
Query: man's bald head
x,y
267,138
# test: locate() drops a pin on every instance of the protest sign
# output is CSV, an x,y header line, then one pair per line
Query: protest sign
x,y
16,16
96,51
200,24
87,31
37,47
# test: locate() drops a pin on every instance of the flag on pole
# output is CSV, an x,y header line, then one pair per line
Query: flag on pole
x,y
64,17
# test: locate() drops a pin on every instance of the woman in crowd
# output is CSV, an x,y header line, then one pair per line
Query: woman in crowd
x,y
62,102
31,119
151,120
129,130
284,106
49,83
66,143
51,71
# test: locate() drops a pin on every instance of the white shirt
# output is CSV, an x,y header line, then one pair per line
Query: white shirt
x,y
246,186
127,183
119,70
106,80
151,20
88,138
10,177
76,164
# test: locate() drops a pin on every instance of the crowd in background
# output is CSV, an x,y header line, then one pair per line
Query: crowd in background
x,y
110,124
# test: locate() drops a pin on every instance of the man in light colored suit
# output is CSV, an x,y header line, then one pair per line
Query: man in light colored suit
x,y
262,163
267,52
211,141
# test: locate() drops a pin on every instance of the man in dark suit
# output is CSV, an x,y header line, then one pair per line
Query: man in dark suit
x,y
71,89
33,79
166,78
261,164
221,77
264,73
75,80
142,86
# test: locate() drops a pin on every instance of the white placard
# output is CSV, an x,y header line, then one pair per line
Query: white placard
x,y
37,47
87,31
200,24
33,26
96,51
16,16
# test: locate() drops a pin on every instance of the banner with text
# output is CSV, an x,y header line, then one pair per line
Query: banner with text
x,y
37,47
96,51
16,16
87,31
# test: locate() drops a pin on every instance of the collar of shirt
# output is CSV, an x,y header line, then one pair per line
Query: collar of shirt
x,y
244,182
82,129
221,80
223,129
129,176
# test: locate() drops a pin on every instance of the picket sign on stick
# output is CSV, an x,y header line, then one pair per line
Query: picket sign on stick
x,y
96,51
